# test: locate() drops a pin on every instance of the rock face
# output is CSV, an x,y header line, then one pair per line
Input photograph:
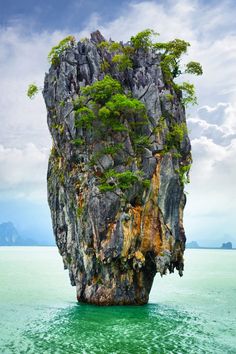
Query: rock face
x,y
113,241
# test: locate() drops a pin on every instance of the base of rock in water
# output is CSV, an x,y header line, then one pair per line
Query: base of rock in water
x,y
132,288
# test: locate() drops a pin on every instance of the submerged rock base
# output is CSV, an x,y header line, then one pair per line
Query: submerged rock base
x,y
115,230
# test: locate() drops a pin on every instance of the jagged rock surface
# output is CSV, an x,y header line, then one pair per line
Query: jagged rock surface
x,y
112,248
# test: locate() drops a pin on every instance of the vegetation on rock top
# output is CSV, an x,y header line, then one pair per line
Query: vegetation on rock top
x,y
56,51
104,108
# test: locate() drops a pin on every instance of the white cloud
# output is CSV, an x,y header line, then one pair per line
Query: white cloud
x,y
23,172
216,123
210,211
23,60
214,109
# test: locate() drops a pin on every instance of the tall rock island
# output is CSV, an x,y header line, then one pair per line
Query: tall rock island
x,y
117,168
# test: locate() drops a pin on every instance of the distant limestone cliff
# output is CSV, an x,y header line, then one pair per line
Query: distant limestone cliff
x,y
9,236
227,246
116,174
192,244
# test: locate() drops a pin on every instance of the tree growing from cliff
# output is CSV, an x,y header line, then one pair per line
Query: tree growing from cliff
x,y
32,91
56,51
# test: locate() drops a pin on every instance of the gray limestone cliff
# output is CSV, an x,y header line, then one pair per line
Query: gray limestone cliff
x,y
115,189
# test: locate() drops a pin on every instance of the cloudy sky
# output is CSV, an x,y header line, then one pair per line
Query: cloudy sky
x,y
29,28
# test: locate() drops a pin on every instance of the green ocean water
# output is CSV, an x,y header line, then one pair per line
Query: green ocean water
x,y
39,314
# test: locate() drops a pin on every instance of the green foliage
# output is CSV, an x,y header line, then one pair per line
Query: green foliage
x,y
128,50
110,46
54,54
175,48
101,91
110,119
123,61
59,127
79,102
112,149
104,107
32,91
113,180
122,104
121,55
126,179
106,187
119,107
175,136
114,46
62,103
169,97
169,68
105,66
62,177
188,92
107,150
104,114
143,40
171,54
193,67
146,183
140,142
54,152
103,45
68,259
78,141
79,211
183,173
83,40
84,117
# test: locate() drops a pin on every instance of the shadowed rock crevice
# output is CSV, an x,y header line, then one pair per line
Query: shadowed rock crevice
x,y
114,186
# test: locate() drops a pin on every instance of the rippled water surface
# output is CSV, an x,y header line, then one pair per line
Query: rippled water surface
x,y
193,314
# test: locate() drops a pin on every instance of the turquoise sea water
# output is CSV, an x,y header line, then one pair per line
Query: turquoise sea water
x,y
39,314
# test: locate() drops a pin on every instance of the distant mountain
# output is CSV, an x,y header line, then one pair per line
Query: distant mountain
x,y
192,244
227,246
224,246
9,236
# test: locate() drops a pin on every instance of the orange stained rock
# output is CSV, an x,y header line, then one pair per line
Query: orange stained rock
x,y
139,256
151,225
131,229
110,230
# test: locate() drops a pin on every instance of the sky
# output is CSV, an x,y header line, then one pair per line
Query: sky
x,y
28,30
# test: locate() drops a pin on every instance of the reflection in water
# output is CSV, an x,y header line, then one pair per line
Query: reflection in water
x,y
90,329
